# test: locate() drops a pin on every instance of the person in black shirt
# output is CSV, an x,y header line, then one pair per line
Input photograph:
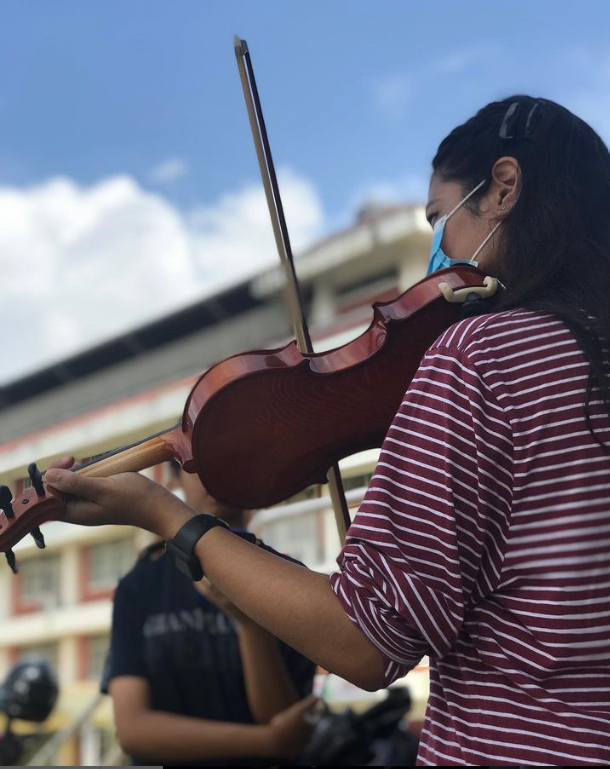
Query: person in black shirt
x,y
193,680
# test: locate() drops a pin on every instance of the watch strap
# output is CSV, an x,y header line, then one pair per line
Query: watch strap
x,y
181,548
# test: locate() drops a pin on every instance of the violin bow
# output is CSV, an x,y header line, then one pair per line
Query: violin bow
x,y
282,241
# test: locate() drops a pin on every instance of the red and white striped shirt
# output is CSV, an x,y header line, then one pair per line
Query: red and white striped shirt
x,y
484,542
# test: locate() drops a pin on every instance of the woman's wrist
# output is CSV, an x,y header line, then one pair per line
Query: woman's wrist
x,y
168,514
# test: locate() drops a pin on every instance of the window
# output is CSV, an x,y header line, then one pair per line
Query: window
x,y
39,581
97,649
108,562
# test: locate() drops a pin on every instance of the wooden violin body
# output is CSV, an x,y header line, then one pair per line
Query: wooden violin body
x,y
265,425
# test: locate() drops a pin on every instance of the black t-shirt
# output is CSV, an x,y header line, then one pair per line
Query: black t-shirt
x,y
165,631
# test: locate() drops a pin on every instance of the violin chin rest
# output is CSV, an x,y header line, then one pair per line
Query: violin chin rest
x,y
460,295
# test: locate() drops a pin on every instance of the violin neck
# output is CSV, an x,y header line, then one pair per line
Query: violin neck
x,y
133,458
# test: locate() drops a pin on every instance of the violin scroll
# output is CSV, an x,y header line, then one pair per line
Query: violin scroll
x,y
25,514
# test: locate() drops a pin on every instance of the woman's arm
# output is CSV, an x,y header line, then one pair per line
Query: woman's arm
x,y
293,603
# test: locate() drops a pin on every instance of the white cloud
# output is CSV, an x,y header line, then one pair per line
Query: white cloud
x,y
170,170
81,264
234,236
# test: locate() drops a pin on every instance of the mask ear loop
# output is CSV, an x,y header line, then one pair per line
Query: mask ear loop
x,y
463,200
461,203
476,253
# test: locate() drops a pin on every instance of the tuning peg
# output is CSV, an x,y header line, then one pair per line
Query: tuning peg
x,y
5,501
12,561
38,538
36,478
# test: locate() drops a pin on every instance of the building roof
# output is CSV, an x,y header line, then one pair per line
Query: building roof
x,y
176,325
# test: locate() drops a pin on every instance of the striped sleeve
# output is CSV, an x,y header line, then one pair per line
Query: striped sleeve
x,y
430,535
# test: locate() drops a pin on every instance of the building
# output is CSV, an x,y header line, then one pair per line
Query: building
x,y
59,605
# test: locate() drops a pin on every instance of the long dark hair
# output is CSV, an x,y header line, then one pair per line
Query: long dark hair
x,y
554,245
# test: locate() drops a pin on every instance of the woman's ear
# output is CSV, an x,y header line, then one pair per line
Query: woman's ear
x,y
505,186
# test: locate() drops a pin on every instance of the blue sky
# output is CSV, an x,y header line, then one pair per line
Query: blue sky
x,y
355,93
145,94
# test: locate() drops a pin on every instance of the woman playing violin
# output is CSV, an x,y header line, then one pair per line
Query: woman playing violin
x,y
483,537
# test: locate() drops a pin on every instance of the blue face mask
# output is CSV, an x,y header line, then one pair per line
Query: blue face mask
x,y
438,258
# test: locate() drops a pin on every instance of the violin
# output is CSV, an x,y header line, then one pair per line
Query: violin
x,y
261,426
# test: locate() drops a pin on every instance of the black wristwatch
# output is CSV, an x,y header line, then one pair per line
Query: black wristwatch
x,y
181,548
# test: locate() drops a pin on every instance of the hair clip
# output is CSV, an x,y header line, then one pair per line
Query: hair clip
x,y
508,128
533,119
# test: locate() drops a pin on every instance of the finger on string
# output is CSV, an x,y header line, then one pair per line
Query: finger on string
x,y
76,485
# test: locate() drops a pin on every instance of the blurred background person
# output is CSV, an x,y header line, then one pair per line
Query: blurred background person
x,y
192,679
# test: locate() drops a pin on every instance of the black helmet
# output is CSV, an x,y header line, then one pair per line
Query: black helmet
x,y
29,691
